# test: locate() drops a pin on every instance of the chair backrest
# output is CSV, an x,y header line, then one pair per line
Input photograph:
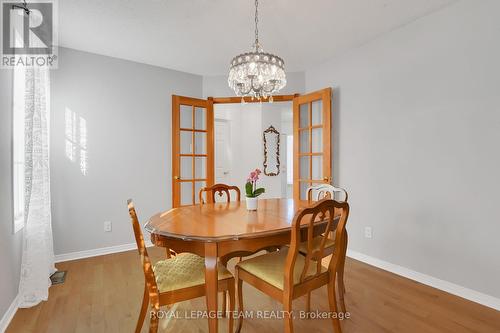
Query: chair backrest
x,y
335,214
219,189
324,191
143,252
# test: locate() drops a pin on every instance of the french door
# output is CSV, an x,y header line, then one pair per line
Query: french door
x,y
311,136
192,148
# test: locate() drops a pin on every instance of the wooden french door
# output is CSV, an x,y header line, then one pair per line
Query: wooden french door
x,y
192,148
312,141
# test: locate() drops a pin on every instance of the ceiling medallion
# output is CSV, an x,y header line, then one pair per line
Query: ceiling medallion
x,y
257,74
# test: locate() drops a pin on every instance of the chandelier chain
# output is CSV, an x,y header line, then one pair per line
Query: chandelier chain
x,y
257,74
256,23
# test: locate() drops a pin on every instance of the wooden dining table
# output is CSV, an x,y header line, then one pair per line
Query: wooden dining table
x,y
221,231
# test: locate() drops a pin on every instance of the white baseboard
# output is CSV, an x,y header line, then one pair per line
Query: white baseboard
x,y
9,314
446,286
469,294
98,252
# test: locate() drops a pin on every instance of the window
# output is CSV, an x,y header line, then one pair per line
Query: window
x,y
289,159
18,147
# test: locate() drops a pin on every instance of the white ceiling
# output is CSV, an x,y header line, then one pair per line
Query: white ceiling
x,y
201,36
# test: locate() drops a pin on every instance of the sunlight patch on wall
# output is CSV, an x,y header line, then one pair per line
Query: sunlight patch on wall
x,y
75,132
83,146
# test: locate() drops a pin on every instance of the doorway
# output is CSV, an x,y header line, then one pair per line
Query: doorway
x,y
239,147
225,144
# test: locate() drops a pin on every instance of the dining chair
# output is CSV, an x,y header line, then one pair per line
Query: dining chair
x,y
316,193
174,280
211,192
287,274
323,191
219,189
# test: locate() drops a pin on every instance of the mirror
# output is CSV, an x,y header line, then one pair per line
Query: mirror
x,y
271,152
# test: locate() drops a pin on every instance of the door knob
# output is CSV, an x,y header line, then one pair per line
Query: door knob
x,y
177,177
326,179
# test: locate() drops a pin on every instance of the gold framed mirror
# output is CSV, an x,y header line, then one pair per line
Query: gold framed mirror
x,y
271,151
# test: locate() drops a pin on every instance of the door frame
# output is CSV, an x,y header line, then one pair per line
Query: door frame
x,y
236,100
210,176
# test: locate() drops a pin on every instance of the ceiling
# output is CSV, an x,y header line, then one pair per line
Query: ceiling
x,y
201,36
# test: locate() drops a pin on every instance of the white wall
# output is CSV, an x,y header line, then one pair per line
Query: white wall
x,y
416,137
10,244
127,110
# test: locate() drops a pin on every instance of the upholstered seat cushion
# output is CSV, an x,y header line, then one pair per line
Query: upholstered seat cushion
x,y
270,267
316,242
183,271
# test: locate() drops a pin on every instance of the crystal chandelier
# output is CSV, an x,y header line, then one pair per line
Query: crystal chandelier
x,y
257,74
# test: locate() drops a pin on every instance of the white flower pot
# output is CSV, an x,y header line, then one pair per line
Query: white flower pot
x,y
252,203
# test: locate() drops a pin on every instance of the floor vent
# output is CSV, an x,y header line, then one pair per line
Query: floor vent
x,y
58,277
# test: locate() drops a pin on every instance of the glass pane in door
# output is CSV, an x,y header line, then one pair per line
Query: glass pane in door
x,y
200,167
200,142
304,115
197,188
303,190
304,163
200,118
186,193
317,167
316,140
186,142
304,141
186,167
316,113
186,112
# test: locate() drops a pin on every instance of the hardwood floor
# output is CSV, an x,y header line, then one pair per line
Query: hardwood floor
x,y
103,294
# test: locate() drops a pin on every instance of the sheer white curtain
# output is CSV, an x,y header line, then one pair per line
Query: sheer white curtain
x,y
38,252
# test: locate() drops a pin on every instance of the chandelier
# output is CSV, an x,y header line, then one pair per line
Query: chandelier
x,y
256,74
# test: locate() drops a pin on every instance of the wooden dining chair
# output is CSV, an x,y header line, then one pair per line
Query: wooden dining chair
x,y
174,280
287,274
317,193
323,191
211,191
219,189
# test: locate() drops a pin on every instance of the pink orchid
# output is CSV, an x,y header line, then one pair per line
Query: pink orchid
x,y
258,171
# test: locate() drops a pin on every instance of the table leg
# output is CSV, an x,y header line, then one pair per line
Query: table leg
x,y
211,284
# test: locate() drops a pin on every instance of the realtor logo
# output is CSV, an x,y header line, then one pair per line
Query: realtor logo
x,y
29,33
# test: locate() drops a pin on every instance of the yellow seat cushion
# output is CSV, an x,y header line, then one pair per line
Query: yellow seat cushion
x,y
270,267
183,271
316,242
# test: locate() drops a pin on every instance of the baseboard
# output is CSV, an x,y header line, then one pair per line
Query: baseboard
x,y
9,314
97,252
469,294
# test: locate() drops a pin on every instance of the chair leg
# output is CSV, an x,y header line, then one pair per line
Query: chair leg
x,y
287,307
340,276
224,296
144,309
154,321
224,305
308,303
231,306
332,300
239,289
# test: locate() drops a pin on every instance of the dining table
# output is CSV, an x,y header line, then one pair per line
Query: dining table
x,y
222,230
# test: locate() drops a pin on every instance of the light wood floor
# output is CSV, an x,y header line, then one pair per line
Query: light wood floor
x,y
103,294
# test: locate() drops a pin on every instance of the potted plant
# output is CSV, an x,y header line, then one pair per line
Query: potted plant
x,y
252,192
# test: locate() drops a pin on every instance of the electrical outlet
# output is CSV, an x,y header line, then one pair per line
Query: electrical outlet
x,y
368,232
107,226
